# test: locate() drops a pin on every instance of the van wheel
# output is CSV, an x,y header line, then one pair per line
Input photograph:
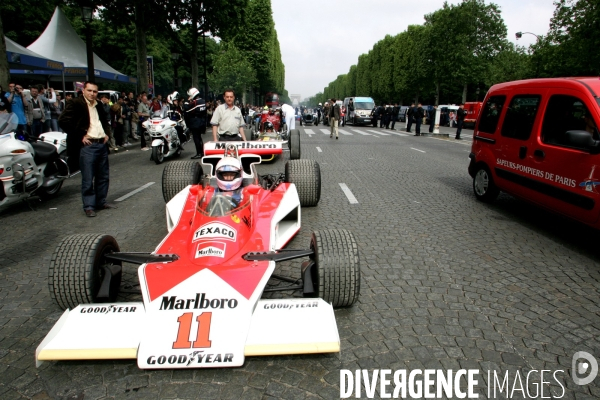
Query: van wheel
x,y
483,185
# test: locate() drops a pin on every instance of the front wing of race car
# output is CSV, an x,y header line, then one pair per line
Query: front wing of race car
x,y
191,338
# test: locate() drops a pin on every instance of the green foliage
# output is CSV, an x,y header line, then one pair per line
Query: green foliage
x,y
258,41
458,46
24,20
231,70
573,40
167,26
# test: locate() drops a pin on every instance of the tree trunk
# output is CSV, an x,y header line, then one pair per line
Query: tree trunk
x,y
204,77
140,47
464,97
437,93
4,70
194,55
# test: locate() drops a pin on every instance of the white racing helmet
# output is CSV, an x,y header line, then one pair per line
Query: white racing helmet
x,y
192,92
232,165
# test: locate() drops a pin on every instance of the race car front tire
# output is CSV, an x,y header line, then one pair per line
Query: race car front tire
x,y
294,144
178,175
306,175
337,266
76,270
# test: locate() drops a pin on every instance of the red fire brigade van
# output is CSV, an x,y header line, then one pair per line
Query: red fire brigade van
x,y
472,108
538,140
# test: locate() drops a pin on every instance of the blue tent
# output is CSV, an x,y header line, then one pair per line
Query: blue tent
x,y
21,58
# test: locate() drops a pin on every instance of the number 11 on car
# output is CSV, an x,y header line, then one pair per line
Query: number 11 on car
x,y
185,327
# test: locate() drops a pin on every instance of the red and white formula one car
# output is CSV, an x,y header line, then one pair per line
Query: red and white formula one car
x,y
202,286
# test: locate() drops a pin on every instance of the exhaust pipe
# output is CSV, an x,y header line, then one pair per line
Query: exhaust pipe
x,y
52,181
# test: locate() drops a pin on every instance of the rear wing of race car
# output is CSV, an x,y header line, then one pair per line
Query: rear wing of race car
x,y
254,147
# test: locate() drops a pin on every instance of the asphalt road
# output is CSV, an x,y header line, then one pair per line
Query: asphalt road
x,y
447,282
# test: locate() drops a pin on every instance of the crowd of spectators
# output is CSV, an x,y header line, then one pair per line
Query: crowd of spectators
x,y
38,109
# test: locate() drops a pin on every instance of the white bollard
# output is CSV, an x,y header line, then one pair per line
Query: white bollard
x,y
436,128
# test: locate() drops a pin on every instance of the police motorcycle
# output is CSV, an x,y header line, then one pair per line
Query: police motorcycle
x,y
175,115
164,136
29,168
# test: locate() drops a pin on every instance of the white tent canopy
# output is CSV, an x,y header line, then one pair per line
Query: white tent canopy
x,y
20,57
60,42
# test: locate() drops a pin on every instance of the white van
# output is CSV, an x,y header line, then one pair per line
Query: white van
x,y
362,110
445,110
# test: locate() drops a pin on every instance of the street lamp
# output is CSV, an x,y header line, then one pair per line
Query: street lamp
x,y
519,35
87,14
175,56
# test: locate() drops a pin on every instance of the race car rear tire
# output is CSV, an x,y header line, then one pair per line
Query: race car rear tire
x,y
337,266
178,175
294,144
76,272
306,175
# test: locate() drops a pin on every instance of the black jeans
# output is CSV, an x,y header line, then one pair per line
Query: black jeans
x,y
230,138
410,121
393,122
141,131
197,135
459,126
93,160
418,124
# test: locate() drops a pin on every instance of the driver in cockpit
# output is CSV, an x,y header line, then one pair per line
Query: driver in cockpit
x,y
229,178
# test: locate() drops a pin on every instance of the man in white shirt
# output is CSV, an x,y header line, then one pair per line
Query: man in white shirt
x,y
227,121
290,118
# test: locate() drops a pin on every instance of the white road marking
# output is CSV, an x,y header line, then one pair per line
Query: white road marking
x,y
343,132
309,131
417,150
379,132
325,131
462,142
319,149
400,134
348,194
128,195
361,132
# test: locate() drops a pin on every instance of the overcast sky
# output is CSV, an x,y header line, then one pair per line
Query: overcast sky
x,y
321,39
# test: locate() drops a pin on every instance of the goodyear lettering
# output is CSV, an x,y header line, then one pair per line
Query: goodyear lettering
x,y
245,145
198,303
106,309
291,305
196,357
215,230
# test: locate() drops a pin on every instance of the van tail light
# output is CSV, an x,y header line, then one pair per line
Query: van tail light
x,y
1,170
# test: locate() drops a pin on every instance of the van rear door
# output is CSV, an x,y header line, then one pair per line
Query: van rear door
x,y
572,173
